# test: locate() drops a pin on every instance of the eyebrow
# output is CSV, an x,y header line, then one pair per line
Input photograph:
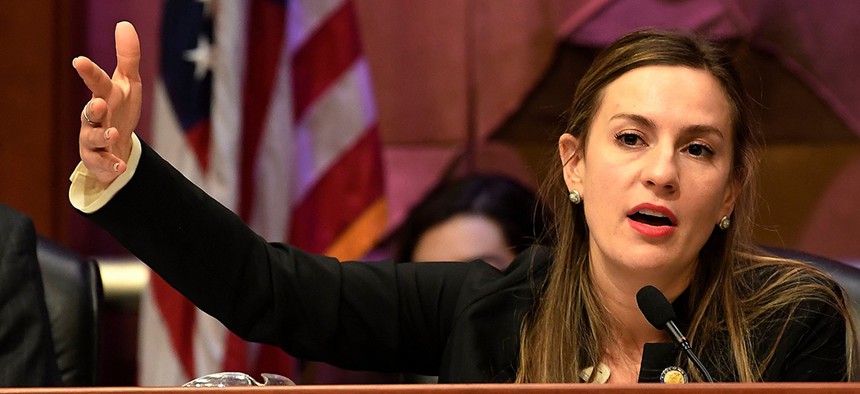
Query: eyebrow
x,y
642,121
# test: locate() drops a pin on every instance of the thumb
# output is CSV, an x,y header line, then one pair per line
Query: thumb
x,y
127,51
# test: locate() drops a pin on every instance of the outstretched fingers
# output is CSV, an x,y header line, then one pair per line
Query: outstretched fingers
x,y
109,118
94,77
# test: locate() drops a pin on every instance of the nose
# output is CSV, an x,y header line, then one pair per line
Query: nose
x,y
660,172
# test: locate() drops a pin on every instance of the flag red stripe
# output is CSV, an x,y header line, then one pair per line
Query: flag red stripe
x,y
178,315
349,187
198,137
265,38
324,57
263,52
235,353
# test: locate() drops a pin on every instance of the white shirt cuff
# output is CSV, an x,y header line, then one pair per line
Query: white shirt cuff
x,y
88,195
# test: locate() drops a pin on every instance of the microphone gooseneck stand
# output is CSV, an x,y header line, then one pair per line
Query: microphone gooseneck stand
x,y
659,312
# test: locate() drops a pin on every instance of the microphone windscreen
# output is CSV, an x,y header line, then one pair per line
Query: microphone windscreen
x,y
654,305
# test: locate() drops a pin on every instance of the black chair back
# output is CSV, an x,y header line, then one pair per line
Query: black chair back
x,y
73,294
846,275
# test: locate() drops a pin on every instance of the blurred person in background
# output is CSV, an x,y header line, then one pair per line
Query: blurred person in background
x,y
485,217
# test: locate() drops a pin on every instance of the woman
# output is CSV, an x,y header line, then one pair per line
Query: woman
x,y
478,217
659,124
657,169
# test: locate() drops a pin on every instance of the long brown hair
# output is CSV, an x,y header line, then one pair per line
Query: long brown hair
x,y
563,333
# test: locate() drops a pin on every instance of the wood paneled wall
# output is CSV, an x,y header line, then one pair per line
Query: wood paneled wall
x,y
39,92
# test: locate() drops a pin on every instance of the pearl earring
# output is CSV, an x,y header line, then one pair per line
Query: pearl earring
x,y
575,197
725,222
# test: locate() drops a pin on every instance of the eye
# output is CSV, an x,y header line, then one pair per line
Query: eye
x,y
629,138
699,150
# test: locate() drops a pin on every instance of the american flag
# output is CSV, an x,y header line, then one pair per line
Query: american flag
x,y
266,105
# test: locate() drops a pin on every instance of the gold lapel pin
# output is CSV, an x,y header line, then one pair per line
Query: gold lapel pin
x,y
674,375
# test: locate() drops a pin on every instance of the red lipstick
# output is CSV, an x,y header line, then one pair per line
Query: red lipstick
x,y
652,220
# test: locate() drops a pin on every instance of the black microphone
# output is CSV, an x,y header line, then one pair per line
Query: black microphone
x,y
659,312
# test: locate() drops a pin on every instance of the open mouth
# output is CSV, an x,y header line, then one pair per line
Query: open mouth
x,y
651,218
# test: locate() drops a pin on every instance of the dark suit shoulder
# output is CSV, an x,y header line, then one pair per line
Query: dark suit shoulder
x,y
26,350
14,224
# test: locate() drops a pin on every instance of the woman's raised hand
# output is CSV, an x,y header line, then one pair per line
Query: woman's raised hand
x,y
110,117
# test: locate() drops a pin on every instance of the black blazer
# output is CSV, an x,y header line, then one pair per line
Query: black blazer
x,y
26,348
457,320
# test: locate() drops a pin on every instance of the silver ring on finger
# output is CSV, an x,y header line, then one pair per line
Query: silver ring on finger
x,y
87,118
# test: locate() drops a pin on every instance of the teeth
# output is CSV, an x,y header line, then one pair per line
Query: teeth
x,y
651,213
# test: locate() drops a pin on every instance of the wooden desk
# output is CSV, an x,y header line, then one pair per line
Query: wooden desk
x,y
729,388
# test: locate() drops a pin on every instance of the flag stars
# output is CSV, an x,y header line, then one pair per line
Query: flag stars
x,y
201,56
